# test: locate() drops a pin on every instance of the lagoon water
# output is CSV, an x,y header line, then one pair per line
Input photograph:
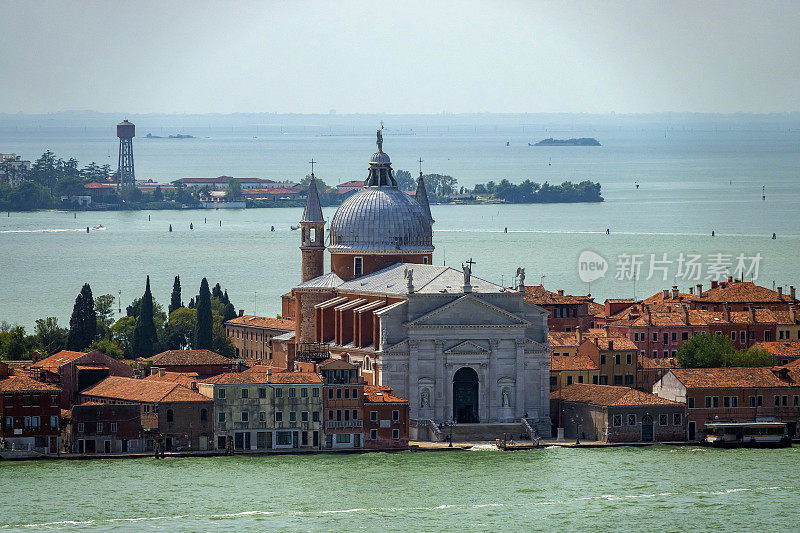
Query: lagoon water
x,y
696,175
658,488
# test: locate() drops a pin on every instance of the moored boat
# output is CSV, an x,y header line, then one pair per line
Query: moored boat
x,y
747,434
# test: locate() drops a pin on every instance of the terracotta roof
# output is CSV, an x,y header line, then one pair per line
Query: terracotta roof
x,y
96,185
650,363
538,295
184,378
741,292
263,322
143,390
608,396
57,360
784,317
253,378
381,395
336,364
91,367
66,413
562,338
267,366
272,191
596,309
729,377
780,348
614,343
25,384
561,363
351,184
189,357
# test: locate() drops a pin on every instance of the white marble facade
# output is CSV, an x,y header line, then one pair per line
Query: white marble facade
x,y
499,339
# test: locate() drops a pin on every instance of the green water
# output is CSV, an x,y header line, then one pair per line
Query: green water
x,y
656,488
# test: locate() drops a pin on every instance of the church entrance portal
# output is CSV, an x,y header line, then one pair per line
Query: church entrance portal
x,y
465,396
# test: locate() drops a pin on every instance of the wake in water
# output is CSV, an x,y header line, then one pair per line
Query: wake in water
x,y
53,230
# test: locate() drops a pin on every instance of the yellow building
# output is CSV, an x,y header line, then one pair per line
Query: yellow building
x,y
616,358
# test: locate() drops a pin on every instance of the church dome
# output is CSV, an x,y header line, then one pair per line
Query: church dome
x,y
380,158
381,218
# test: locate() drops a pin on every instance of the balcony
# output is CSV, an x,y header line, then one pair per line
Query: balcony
x,y
332,424
311,352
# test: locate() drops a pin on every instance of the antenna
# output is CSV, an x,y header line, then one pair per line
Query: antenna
x,y
420,166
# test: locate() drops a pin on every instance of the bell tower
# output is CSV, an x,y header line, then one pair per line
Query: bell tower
x,y
312,234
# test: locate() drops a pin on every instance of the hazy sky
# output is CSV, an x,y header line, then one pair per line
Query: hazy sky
x,y
400,56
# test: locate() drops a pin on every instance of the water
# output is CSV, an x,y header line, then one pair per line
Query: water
x,y
696,174
655,488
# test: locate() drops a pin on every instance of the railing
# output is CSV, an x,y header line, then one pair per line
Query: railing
x,y
535,438
434,429
311,352
330,424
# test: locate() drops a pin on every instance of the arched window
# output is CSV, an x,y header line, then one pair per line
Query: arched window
x,y
203,415
169,415
367,363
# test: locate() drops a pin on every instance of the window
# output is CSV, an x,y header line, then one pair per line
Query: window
x,y
690,402
425,260
617,359
603,380
315,416
580,379
602,358
685,336
594,380
338,394
221,394
292,416
751,334
663,420
373,434
203,415
330,414
346,394
784,401
262,392
283,438
170,415
628,379
278,392
343,438
245,416
734,401
674,336
617,420
396,434
708,402
655,336
796,401
395,415
358,267
726,401
759,401
733,336
262,416
655,354
54,423
355,393
220,417
80,427
629,358
617,379
304,392
666,353
292,392
355,414
245,393
278,416
347,414
304,416
742,336
373,416
569,380
777,401
330,394
99,427
631,420
10,423
315,392
54,400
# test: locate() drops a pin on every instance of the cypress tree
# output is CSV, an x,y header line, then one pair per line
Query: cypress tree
x,y
192,304
204,332
225,298
216,292
144,333
230,313
175,301
83,322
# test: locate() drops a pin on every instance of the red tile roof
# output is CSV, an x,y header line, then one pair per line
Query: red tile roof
x,y
184,378
381,395
143,390
253,378
650,363
730,377
57,360
96,185
538,295
352,184
189,357
267,366
741,292
263,322
25,384
614,343
780,348
608,396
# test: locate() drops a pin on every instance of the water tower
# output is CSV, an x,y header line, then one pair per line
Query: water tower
x,y
126,131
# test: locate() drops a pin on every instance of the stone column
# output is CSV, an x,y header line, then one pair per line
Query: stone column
x,y
519,380
483,408
448,391
413,379
439,396
493,362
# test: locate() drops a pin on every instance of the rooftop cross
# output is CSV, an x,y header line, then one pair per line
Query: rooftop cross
x,y
420,166
312,166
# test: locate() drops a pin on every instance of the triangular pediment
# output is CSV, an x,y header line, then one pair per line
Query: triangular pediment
x,y
467,347
533,346
400,347
468,310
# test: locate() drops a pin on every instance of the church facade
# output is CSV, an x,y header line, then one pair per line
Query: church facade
x,y
458,347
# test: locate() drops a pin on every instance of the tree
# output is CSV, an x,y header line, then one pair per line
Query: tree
x,y
109,348
13,344
48,336
104,307
122,334
221,343
706,351
404,180
234,191
192,305
229,313
175,300
216,292
83,322
180,329
145,336
203,334
158,196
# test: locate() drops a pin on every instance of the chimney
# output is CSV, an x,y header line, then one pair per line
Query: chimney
x,y
194,385
561,292
792,314
665,294
752,314
699,289
726,313
241,312
605,330
691,290
162,372
791,292
674,292
610,344
780,292
685,314
714,284
730,279
578,335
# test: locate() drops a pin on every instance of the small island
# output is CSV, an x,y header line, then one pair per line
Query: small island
x,y
583,141
177,136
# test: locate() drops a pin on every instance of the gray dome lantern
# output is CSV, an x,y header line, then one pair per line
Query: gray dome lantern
x,y
381,217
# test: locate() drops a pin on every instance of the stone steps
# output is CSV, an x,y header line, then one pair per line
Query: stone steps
x,y
483,432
